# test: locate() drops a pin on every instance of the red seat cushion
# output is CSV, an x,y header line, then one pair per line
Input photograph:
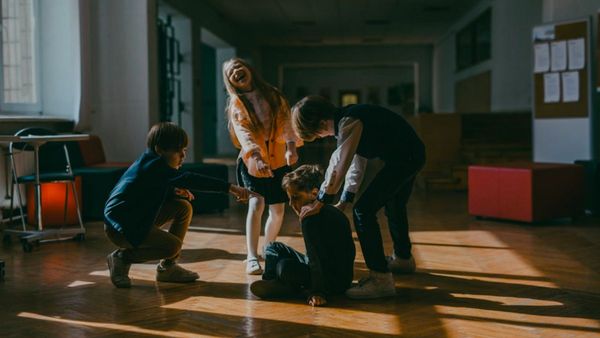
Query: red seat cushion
x,y
526,192
53,203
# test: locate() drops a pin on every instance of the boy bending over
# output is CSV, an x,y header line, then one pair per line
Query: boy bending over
x,y
365,132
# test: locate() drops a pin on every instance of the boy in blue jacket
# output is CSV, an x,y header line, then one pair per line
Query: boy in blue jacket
x,y
149,195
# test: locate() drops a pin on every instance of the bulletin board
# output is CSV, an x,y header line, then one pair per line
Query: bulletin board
x,y
562,91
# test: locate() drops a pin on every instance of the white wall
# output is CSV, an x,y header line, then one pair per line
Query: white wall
x,y
60,58
223,52
274,57
183,32
513,53
224,145
123,85
510,62
567,140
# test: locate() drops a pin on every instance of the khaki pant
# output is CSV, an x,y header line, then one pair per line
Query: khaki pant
x,y
159,244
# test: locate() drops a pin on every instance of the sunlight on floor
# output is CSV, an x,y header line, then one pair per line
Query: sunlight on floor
x,y
80,283
293,313
466,254
463,272
509,301
517,319
110,326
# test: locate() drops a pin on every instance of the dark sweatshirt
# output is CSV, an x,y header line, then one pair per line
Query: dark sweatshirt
x,y
136,199
330,250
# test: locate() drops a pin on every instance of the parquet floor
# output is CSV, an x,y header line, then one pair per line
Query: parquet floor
x,y
475,279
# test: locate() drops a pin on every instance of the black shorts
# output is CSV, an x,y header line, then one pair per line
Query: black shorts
x,y
269,187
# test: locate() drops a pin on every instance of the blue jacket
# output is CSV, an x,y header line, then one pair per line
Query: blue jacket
x,y
136,199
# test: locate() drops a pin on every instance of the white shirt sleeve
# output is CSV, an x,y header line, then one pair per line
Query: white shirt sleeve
x,y
350,131
354,177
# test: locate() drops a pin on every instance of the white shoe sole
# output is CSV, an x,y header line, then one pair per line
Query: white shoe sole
x,y
258,271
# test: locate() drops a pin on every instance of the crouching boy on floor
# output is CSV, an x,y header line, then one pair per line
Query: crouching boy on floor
x,y
327,267
149,195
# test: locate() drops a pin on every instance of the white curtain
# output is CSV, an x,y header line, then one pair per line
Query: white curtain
x,y
83,109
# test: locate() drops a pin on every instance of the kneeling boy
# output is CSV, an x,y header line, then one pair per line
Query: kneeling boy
x,y
327,267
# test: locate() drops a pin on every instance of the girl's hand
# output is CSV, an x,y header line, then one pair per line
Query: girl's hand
x,y
242,194
291,157
184,193
310,209
315,300
263,168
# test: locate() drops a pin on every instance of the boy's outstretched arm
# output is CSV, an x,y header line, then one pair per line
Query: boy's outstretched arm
x,y
193,181
242,194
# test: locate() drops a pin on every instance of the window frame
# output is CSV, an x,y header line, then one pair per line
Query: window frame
x,y
25,108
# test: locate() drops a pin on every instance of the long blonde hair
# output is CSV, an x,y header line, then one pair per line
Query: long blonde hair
x,y
271,94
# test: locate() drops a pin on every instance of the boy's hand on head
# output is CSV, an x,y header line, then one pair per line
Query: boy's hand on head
x,y
316,300
310,209
184,193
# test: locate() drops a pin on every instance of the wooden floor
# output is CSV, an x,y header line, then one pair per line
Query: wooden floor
x,y
475,279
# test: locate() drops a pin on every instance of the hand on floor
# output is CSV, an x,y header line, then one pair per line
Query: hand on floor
x,y
315,300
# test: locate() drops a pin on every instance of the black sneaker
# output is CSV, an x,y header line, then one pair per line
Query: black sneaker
x,y
399,265
119,270
270,289
174,273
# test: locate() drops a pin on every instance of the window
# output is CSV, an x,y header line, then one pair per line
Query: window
x,y
349,97
19,88
473,43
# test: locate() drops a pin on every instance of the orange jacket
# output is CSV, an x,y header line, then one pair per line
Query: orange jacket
x,y
250,141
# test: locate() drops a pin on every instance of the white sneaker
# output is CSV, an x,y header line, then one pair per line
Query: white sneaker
x,y
401,265
377,285
253,267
